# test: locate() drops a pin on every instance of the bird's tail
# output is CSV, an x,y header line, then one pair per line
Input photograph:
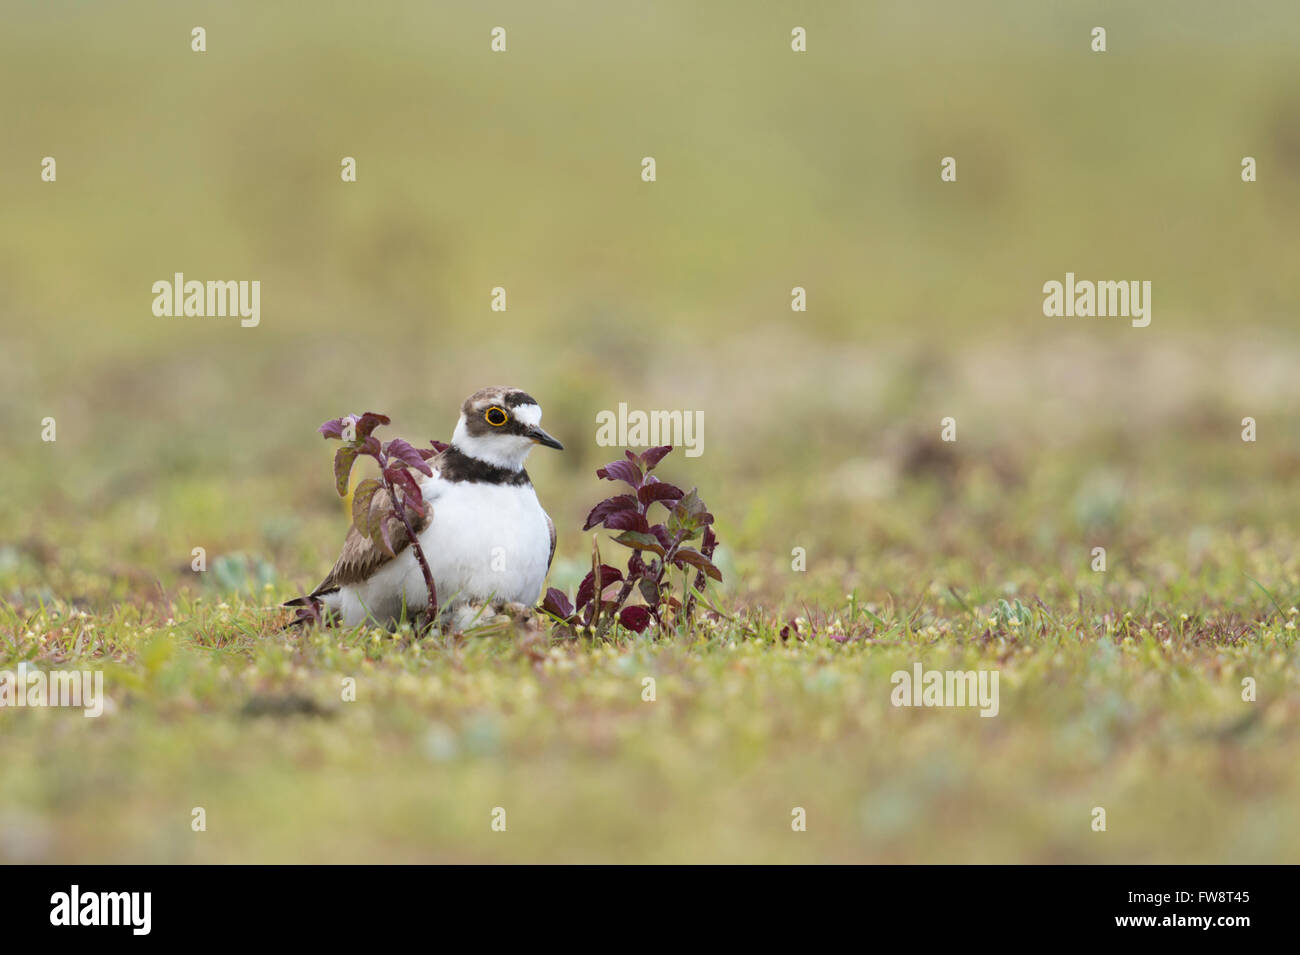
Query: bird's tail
x,y
309,610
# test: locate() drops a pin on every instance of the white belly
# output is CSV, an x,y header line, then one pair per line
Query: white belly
x,y
485,542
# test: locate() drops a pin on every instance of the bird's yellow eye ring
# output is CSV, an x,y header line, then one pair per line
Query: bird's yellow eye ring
x,y
495,416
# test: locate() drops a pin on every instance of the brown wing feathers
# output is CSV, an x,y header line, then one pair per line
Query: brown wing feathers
x,y
551,526
361,557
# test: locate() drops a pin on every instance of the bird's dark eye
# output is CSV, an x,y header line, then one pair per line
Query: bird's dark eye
x,y
495,416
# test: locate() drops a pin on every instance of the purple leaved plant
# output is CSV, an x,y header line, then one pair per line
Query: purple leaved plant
x,y
656,548
396,460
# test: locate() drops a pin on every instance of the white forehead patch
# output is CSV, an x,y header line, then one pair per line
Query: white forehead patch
x,y
528,414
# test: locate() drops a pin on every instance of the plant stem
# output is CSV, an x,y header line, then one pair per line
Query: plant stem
x,y
415,544
623,594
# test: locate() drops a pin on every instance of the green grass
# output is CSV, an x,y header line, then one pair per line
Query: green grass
x,y
214,705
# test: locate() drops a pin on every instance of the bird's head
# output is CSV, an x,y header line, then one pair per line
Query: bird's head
x,y
500,426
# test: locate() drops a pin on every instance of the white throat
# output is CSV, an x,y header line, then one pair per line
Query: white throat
x,y
500,450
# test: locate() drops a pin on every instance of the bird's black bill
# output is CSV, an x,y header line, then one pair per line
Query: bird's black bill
x,y
541,437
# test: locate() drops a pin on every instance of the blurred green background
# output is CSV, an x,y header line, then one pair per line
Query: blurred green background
x,y
521,170
775,170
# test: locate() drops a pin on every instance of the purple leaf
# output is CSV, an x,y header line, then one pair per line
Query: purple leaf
x,y
380,533
362,498
557,603
334,427
661,534
654,456
650,591
587,589
624,471
659,491
411,494
627,521
620,502
687,555
369,422
435,448
635,565
635,618
405,452
638,540
343,460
